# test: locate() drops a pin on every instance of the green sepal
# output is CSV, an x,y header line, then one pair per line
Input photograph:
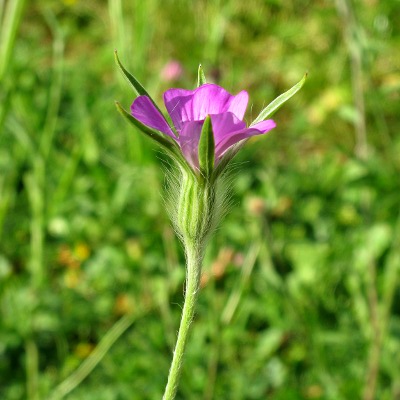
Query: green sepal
x,y
134,83
206,149
167,143
201,78
226,159
155,135
278,102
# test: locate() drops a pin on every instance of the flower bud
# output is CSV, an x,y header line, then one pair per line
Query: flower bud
x,y
195,209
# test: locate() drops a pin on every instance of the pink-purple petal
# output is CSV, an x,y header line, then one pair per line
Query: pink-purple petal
x,y
178,103
189,141
194,105
213,99
238,104
224,124
264,126
235,137
145,111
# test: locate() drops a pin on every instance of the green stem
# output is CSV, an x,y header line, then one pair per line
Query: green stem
x,y
32,367
193,260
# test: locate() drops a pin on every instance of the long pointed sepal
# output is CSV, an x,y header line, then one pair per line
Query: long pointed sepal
x,y
133,82
279,101
155,135
206,149
170,146
201,78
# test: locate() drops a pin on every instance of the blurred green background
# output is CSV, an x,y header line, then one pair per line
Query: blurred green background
x,y
300,293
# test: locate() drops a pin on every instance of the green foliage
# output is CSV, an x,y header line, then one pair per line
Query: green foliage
x,y
300,290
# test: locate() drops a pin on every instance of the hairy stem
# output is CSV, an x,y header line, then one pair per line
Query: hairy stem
x,y
193,260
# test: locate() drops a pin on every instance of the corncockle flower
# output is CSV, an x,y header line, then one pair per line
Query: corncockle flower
x,y
206,132
188,110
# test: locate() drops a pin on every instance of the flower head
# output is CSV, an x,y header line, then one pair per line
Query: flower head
x,y
207,122
188,110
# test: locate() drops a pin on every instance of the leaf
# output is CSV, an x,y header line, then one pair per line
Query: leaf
x,y
206,148
278,102
201,78
152,133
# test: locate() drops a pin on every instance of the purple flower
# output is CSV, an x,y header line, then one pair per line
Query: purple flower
x,y
189,108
